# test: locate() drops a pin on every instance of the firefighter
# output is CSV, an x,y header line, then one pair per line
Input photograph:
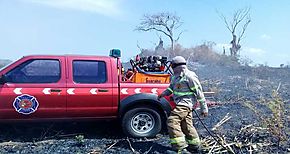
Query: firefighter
x,y
187,91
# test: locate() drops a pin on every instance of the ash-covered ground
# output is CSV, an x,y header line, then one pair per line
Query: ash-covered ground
x,y
234,87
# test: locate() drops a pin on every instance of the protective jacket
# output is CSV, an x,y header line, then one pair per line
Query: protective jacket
x,y
186,89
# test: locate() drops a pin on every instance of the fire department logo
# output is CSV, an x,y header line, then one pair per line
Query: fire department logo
x,y
25,104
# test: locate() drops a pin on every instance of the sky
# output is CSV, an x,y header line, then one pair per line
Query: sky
x,y
93,27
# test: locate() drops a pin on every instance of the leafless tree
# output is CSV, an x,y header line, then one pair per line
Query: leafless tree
x,y
238,24
165,23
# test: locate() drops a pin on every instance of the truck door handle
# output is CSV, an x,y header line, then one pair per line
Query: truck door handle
x,y
55,90
103,90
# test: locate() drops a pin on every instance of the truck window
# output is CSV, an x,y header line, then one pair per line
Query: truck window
x,y
85,71
35,71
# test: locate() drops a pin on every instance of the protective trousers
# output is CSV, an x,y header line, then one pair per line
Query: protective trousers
x,y
181,130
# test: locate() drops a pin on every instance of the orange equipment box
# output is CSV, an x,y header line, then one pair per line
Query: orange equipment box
x,y
151,78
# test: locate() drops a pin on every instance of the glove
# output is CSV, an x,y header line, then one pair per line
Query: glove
x,y
204,110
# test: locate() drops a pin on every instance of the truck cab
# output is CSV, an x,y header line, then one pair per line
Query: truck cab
x,y
72,87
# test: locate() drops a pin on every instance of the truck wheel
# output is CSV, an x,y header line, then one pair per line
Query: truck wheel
x,y
141,122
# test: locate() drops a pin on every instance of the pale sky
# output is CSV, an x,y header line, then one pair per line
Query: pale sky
x,y
93,27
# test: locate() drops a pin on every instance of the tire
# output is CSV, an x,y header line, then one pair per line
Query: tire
x,y
141,122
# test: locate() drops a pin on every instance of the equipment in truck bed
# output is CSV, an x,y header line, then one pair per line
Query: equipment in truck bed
x,y
152,69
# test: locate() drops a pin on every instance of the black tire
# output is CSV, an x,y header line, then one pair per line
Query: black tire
x,y
141,122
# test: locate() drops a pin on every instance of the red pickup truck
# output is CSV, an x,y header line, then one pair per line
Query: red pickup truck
x,y
80,87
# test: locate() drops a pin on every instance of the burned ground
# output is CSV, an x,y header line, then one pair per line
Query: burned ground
x,y
235,89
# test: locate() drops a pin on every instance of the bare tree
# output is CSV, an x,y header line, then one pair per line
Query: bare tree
x,y
165,23
238,24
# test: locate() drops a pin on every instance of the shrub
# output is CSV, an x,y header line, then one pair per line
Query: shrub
x,y
271,113
203,54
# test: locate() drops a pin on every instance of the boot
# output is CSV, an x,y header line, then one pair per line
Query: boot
x,y
183,151
194,148
180,151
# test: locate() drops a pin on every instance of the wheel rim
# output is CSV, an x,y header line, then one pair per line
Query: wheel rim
x,y
142,123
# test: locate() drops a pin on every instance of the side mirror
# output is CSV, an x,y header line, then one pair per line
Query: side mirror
x,y
2,79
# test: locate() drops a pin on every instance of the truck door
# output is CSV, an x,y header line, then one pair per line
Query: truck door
x,y
89,87
34,88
